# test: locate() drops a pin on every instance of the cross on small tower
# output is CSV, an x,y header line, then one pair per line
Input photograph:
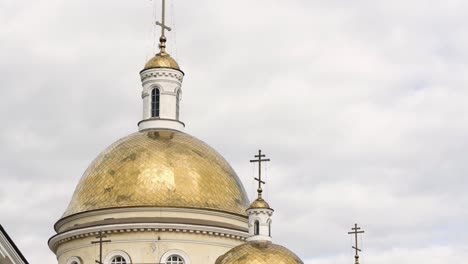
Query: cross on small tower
x,y
162,39
355,247
259,179
100,242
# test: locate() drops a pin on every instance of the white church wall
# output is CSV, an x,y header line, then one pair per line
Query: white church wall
x,y
150,247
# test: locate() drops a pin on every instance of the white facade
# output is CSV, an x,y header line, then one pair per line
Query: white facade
x,y
168,82
148,235
259,224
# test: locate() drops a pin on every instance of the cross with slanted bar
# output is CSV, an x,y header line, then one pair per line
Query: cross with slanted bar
x,y
100,242
162,39
260,159
355,247
163,19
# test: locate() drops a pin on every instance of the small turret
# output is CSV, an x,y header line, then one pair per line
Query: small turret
x,y
162,88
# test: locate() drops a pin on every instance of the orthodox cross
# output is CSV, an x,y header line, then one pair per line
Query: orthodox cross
x,y
162,39
100,242
355,232
260,159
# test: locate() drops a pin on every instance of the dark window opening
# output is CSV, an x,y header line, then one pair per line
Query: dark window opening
x,y
177,104
155,102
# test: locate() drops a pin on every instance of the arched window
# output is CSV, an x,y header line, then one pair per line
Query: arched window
x,y
269,228
74,260
155,102
256,228
175,259
177,104
118,260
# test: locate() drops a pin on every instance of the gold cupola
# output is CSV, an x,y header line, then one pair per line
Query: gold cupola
x,y
162,59
259,252
259,249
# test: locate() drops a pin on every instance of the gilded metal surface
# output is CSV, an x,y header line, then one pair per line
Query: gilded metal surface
x,y
162,60
259,203
261,252
160,168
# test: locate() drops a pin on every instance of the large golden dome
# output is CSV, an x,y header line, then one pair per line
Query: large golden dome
x,y
159,168
259,252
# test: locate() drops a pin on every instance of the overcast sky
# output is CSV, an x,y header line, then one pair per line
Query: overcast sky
x,y
361,105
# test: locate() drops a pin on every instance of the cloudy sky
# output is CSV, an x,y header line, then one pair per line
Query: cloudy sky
x,y
361,105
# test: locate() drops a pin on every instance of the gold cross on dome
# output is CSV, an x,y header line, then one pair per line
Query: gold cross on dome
x,y
164,27
260,159
355,232
163,23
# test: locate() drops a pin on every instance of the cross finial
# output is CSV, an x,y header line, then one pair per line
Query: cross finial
x,y
162,39
355,247
259,179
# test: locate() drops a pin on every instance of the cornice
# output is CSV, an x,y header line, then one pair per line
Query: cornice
x,y
55,241
161,74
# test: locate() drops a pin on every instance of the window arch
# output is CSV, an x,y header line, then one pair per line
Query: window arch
x,y
74,260
117,257
174,256
175,259
256,228
177,104
155,102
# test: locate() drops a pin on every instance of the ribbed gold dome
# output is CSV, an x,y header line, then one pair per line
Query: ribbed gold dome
x,y
162,60
261,252
159,168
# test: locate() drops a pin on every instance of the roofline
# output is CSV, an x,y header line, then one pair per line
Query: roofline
x,y
3,231
103,210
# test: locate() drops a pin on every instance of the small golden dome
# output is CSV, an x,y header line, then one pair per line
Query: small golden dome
x,y
259,252
162,60
159,168
259,203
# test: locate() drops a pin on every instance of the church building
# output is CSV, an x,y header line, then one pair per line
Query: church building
x,y
9,252
160,195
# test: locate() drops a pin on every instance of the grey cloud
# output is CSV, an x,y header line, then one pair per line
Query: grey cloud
x,y
360,105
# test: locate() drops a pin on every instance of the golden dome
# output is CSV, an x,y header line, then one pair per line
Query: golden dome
x,y
259,252
259,203
159,168
162,60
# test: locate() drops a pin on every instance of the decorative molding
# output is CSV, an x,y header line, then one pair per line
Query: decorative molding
x,y
161,74
258,211
151,81
67,236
